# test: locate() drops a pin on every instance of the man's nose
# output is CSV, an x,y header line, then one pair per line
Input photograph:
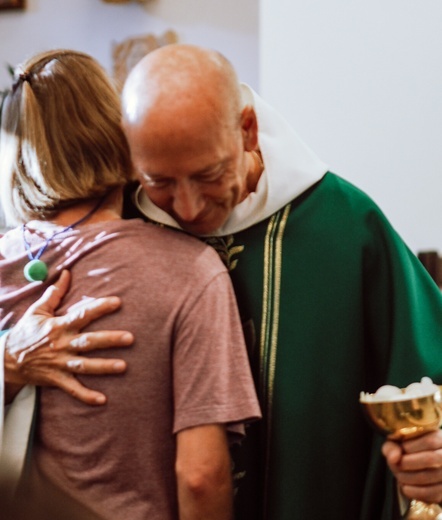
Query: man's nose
x,y
187,203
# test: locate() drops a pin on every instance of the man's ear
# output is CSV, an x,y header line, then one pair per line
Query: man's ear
x,y
249,128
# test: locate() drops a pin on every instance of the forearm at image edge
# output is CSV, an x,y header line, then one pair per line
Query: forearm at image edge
x,y
2,383
15,426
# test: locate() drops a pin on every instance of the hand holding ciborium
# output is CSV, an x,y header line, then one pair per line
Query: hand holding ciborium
x,y
401,414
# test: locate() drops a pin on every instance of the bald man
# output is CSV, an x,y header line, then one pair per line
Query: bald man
x,y
332,300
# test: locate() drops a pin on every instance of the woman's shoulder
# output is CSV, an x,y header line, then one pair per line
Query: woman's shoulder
x,y
173,245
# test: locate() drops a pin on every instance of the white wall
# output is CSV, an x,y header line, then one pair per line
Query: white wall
x,y
92,26
362,84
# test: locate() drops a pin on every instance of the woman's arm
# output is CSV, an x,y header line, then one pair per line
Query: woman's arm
x,y
204,476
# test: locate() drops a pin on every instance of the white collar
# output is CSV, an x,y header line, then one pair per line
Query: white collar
x,y
290,168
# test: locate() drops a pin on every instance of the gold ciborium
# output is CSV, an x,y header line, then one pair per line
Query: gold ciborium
x,y
403,415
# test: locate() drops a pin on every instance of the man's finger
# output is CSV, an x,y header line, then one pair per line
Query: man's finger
x,y
95,366
392,452
427,477
422,461
429,442
104,339
428,494
88,310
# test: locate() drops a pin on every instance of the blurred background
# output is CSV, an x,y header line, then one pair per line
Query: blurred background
x,y
361,82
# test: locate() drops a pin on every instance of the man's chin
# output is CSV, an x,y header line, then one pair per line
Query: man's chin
x,y
200,228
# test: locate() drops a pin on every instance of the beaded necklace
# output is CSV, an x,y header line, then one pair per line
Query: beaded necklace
x,y
36,270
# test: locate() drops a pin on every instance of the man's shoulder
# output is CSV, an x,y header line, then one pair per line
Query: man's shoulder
x,y
341,193
348,189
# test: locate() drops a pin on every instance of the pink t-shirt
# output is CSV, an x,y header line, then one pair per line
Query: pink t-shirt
x,y
187,367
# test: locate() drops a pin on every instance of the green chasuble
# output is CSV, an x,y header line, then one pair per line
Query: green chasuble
x,y
333,303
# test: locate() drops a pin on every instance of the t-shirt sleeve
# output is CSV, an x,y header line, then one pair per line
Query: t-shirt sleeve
x,y
212,377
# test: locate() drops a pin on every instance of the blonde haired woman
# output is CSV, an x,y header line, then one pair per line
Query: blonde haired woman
x,y
61,138
159,448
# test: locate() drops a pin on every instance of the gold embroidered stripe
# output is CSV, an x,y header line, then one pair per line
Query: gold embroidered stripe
x,y
270,302
270,319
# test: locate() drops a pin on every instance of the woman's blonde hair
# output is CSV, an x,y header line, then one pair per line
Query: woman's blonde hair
x,y
61,139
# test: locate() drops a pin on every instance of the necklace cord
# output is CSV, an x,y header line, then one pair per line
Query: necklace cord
x,y
48,240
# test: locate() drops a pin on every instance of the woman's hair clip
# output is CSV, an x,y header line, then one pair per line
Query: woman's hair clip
x,y
24,76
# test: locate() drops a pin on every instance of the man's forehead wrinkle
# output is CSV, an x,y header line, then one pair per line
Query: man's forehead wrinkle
x,y
207,169
184,121
168,98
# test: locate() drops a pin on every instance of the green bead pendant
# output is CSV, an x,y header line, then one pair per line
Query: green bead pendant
x,y
35,271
